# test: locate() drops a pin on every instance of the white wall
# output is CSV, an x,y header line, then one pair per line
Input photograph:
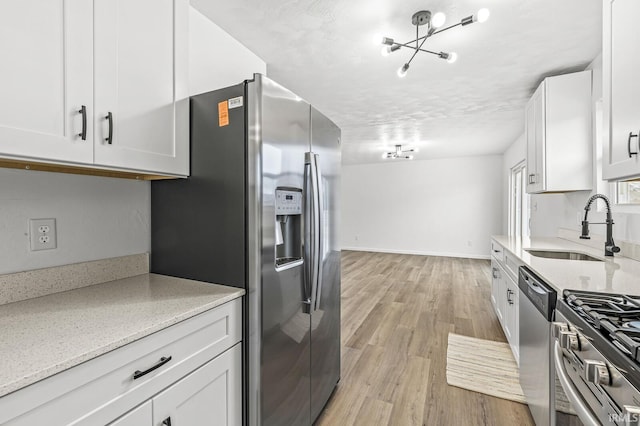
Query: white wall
x,y
215,58
447,207
104,217
96,217
552,211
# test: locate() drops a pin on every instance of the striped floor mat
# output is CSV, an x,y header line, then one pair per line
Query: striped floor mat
x,y
483,366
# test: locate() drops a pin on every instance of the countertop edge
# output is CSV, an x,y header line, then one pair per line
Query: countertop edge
x,y
27,380
611,275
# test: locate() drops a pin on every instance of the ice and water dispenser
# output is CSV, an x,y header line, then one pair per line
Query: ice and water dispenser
x,y
288,227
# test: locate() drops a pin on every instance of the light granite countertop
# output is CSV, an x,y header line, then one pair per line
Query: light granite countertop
x,y
43,336
612,275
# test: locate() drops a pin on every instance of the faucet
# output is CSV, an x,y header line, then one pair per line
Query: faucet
x,y
609,246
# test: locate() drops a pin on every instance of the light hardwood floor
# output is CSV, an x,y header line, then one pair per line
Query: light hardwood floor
x,y
397,311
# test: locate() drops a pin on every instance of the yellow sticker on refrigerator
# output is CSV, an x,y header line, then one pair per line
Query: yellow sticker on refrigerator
x,y
223,113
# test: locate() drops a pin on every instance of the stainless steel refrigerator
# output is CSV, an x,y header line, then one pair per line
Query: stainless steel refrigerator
x,y
260,211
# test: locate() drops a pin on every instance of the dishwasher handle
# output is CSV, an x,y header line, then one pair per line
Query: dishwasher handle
x,y
581,408
540,294
535,286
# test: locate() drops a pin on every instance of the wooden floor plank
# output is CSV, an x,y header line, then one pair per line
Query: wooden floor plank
x,y
397,312
374,412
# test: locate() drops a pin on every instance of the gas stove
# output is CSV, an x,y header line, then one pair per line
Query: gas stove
x,y
598,335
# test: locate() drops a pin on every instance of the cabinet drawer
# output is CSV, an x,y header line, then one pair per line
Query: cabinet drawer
x,y
497,251
512,265
100,390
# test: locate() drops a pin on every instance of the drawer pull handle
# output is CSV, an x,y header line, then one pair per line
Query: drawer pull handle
x,y
167,421
109,118
631,135
137,374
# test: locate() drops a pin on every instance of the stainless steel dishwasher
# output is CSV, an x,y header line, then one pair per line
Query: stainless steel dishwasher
x,y
537,375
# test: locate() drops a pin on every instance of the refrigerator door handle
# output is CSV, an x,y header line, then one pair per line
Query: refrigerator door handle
x,y
314,224
320,228
308,253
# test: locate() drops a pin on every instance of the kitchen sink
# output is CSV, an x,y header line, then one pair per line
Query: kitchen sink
x,y
566,255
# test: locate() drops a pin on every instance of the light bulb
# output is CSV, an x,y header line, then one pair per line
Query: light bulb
x,y
438,19
403,70
385,51
410,157
483,15
385,155
376,39
416,150
453,56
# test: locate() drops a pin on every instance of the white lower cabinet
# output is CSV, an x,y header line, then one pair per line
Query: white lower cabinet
x,y
189,372
211,395
505,294
497,289
511,323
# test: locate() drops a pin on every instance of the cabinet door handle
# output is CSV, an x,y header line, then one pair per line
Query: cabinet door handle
x,y
109,118
83,111
495,273
509,293
167,421
631,135
137,374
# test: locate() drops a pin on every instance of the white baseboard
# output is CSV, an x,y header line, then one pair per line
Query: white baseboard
x,y
419,253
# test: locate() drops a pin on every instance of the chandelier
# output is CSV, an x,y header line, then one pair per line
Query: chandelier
x,y
400,154
434,22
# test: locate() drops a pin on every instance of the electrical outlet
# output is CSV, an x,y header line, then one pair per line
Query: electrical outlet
x,y
42,233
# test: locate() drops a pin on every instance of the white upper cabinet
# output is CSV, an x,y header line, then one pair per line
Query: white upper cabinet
x,y
621,89
535,140
559,135
45,79
122,59
141,84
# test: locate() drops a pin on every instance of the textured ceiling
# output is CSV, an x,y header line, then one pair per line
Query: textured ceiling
x,y
323,51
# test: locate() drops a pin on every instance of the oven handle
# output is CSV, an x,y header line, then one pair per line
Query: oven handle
x,y
583,411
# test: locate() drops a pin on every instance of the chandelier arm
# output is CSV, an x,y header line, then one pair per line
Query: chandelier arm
x,y
429,35
417,49
421,50
447,28
413,41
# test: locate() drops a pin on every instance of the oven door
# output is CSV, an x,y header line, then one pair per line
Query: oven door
x,y
570,407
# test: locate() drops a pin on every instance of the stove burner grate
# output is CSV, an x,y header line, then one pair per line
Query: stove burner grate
x,y
616,316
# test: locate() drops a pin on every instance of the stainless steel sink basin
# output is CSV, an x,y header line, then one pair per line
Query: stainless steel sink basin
x,y
566,255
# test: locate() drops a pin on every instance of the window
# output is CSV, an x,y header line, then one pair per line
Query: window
x,y
627,193
518,202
